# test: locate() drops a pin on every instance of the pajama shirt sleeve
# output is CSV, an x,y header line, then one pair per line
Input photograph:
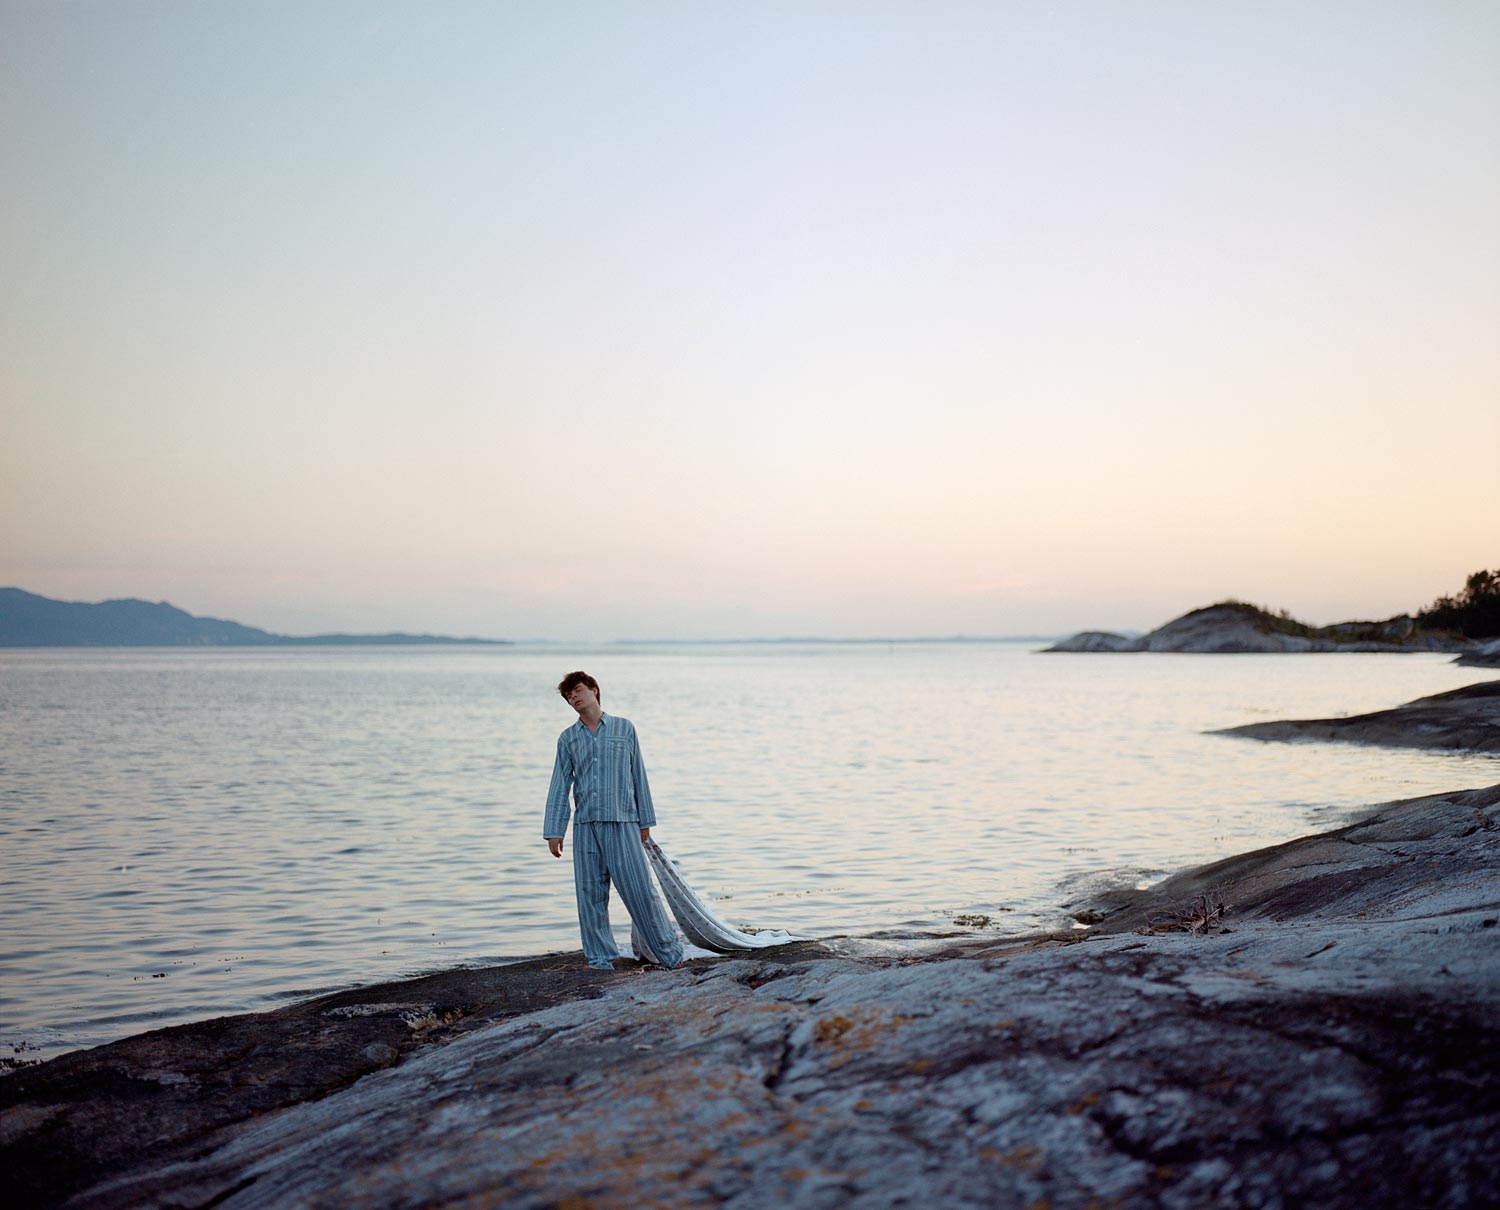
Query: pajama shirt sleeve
x,y
645,810
556,823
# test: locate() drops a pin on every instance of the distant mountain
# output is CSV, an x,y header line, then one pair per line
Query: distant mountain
x,y
29,620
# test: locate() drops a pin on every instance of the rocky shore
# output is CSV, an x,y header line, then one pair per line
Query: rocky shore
x,y
1311,1024
1487,655
1466,719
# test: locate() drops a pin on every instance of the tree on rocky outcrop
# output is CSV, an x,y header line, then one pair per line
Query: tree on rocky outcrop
x,y
1475,612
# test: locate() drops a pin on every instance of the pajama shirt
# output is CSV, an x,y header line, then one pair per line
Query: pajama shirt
x,y
612,803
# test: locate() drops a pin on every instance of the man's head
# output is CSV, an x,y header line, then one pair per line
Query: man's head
x,y
570,686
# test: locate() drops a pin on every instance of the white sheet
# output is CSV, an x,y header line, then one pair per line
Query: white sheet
x,y
705,932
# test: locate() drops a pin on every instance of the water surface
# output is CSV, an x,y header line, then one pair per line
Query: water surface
x,y
188,833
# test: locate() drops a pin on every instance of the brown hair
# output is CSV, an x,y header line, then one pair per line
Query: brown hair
x,y
574,679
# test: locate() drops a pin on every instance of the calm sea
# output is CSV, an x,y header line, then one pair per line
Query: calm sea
x,y
192,833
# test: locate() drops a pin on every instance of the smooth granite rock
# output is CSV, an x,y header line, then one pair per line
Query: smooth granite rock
x,y
1311,1025
1466,719
1486,656
1097,640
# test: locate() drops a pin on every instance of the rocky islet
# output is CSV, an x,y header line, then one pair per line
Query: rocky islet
x,y
1233,627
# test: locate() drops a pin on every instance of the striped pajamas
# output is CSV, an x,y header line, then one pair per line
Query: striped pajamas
x,y
603,773
612,851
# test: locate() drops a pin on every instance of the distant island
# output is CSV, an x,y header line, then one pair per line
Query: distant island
x,y
29,620
1468,624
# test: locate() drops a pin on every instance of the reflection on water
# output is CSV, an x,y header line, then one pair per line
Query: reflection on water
x,y
189,833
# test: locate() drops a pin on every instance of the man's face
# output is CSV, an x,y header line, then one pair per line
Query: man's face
x,y
582,698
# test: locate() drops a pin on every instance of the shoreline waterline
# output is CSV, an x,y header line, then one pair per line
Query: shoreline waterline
x,y
195,833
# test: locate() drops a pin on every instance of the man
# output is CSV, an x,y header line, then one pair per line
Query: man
x,y
599,760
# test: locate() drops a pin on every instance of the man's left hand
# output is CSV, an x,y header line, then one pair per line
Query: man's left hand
x,y
645,835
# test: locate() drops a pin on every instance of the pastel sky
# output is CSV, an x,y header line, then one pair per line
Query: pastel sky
x,y
605,320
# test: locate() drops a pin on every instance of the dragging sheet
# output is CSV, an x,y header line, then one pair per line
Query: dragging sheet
x,y
703,929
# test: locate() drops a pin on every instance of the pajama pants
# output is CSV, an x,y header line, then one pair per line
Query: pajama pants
x,y
604,851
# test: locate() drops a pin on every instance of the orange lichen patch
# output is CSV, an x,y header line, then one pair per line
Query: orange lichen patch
x,y
853,1035
823,1174
1083,1102
831,1029
1026,1157
609,1170
642,1152
745,1147
732,1120
917,1065
864,1105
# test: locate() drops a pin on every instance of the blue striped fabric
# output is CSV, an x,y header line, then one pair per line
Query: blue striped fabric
x,y
604,770
612,851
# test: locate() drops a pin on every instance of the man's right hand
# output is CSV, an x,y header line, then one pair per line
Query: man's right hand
x,y
554,845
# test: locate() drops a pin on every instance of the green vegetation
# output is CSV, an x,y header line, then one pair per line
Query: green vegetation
x,y
1280,623
1475,612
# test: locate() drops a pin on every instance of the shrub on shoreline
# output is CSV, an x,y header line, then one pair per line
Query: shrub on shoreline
x,y
1474,612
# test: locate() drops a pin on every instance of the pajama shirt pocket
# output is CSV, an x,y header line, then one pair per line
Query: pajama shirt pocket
x,y
617,753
